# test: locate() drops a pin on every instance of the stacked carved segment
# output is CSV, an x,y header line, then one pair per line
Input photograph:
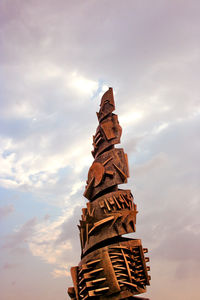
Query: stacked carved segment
x,y
112,267
107,171
108,216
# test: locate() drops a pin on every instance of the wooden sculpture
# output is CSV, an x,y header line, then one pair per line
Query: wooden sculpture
x,y
112,266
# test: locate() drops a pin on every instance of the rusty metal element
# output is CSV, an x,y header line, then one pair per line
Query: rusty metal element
x,y
111,266
108,133
108,216
108,170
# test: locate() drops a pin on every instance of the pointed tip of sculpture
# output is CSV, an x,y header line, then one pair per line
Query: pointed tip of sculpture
x,y
107,104
108,97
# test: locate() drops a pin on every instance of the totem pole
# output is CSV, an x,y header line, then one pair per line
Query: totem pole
x,y
112,266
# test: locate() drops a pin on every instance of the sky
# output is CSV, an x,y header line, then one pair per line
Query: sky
x,y
57,58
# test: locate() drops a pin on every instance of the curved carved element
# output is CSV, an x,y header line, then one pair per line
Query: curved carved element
x,y
108,169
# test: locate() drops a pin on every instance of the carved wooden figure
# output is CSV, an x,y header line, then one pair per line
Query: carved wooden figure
x,y
111,266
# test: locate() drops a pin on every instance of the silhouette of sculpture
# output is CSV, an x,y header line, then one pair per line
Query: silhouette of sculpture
x,y
112,266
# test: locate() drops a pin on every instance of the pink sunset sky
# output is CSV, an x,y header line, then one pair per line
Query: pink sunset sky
x,y
57,58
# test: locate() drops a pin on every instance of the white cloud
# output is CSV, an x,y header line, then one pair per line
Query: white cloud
x,y
81,84
45,243
60,273
131,117
42,243
21,166
76,187
160,128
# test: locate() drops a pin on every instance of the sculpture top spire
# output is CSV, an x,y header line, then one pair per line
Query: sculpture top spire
x,y
109,131
110,167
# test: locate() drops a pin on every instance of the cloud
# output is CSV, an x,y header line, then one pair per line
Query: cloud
x,y
83,85
6,210
56,242
57,59
34,147
8,266
60,273
21,236
165,186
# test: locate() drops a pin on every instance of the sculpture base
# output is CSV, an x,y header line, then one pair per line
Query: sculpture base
x,y
116,271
